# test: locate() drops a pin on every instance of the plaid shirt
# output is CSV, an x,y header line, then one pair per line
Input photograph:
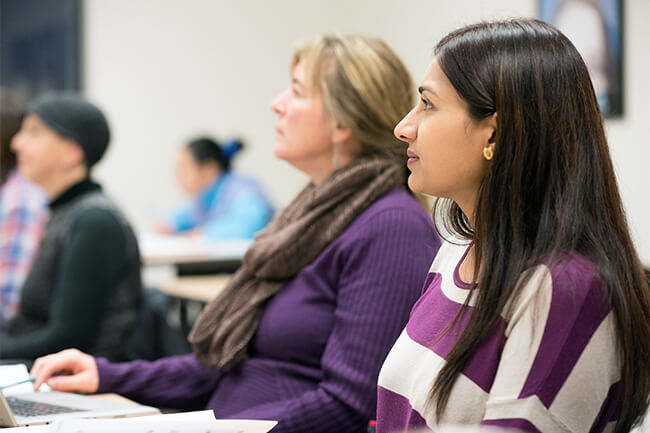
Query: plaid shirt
x,y
23,213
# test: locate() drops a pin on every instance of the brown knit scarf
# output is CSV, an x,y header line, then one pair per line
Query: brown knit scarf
x,y
317,216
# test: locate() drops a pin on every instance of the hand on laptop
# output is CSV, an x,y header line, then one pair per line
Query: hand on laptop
x,y
69,370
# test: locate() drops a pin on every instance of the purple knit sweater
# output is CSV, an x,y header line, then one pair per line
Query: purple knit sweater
x,y
314,361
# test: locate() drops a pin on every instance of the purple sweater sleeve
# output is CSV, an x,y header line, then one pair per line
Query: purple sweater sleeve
x,y
176,382
380,280
381,267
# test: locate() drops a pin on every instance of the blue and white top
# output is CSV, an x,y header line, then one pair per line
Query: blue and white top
x,y
232,207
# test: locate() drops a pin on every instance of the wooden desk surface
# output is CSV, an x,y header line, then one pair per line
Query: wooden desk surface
x,y
197,288
114,397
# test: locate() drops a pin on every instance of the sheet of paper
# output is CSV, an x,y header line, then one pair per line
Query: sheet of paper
x,y
31,429
199,415
160,248
160,425
13,373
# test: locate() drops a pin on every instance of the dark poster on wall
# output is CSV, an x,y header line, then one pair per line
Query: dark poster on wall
x,y
40,45
596,29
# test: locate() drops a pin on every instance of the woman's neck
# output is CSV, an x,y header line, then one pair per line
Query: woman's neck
x,y
466,268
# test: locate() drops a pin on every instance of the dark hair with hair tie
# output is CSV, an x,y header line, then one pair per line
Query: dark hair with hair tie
x,y
206,150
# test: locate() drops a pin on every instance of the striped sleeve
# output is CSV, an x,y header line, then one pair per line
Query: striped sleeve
x,y
559,339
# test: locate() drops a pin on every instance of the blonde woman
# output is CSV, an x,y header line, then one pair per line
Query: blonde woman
x,y
301,331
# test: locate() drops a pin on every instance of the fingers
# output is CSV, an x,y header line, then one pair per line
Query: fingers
x,y
70,361
43,369
79,382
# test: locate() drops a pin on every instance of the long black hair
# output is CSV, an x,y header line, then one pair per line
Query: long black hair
x,y
549,189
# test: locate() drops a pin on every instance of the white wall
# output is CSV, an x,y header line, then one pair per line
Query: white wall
x,y
164,70
629,136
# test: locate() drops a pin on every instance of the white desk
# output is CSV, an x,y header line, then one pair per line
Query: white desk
x,y
158,249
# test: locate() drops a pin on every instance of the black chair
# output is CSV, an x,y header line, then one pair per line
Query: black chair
x,y
152,337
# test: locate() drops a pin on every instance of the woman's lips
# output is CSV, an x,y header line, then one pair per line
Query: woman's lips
x,y
412,157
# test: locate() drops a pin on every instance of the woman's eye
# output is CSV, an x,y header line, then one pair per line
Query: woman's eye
x,y
427,105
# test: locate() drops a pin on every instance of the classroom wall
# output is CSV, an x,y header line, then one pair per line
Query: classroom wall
x,y
165,70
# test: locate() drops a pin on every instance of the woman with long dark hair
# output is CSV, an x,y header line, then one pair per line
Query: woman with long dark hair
x,y
535,313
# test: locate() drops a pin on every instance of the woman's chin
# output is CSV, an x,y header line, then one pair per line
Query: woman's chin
x,y
279,151
413,183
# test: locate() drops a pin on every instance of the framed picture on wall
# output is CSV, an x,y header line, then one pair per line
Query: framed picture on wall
x,y
595,28
40,45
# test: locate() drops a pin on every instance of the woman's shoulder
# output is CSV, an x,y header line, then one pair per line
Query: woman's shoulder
x,y
568,285
397,200
395,214
565,274
571,271
238,179
240,184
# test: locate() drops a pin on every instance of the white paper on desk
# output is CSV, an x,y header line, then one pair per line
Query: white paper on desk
x,y
15,373
198,415
203,415
45,428
156,246
144,425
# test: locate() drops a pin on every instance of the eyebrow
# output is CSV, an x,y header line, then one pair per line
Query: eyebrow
x,y
422,89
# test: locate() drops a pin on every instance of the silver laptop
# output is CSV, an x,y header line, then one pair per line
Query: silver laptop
x,y
45,407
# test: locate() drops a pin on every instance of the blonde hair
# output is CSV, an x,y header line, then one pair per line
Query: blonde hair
x,y
364,86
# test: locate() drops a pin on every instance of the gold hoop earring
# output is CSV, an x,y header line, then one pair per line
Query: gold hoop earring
x,y
488,153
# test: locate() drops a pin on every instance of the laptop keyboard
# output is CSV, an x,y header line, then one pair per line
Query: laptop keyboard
x,y
21,407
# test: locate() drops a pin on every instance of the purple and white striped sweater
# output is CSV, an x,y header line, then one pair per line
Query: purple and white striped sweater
x,y
550,366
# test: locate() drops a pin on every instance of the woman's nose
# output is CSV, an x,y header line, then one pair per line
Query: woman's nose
x,y
406,129
279,103
15,142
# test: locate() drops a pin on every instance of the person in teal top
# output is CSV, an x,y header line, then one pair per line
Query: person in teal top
x,y
223,204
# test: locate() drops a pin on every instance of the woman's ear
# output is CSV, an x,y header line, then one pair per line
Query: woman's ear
x,y
491,132
492,124
340,134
